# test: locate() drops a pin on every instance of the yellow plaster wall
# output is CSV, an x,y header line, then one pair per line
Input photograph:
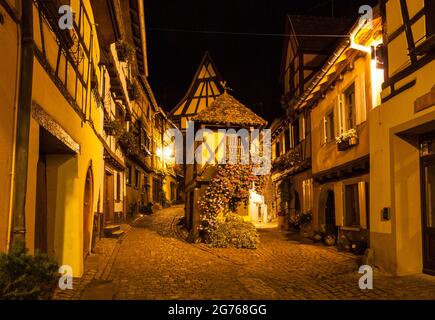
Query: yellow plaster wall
x,y
9,69
394,175
327,156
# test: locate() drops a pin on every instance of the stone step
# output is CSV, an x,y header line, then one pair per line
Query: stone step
x,y
115,234
112,227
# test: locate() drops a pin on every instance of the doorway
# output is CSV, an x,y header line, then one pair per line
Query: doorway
x,y
330,224
109,198
41,206
87,213
428,212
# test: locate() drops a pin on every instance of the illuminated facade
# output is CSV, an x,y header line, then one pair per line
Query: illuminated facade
x,y
402,128
321,147
80,119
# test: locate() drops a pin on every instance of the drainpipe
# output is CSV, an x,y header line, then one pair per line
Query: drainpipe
x,y
23,125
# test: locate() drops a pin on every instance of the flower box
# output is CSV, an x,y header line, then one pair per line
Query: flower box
x,y
347,140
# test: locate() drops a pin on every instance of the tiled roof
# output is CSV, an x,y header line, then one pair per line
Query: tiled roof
x,y
229,111
304,26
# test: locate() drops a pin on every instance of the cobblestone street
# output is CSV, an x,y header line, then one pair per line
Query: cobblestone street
x,y
153,263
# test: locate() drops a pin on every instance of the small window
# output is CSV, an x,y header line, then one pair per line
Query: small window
x,y
287,140
296,138
352,208
350,112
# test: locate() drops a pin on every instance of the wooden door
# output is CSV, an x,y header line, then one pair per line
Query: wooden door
x,y
428,214
330,224
109,200
41,207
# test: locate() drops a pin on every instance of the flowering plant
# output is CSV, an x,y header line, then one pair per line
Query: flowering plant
x,y
286,161
301,219
227,189
347,135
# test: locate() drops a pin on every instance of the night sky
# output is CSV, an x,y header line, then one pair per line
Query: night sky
x,y
249,64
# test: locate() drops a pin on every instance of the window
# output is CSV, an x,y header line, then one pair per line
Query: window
x,y
287,140
118,187
137,179
352,206
295,127
328,127
128,176
350,112
277,150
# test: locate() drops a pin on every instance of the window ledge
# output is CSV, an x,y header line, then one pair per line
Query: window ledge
x,y
351,228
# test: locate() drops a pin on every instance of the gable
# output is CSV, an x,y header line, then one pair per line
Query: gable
x,y
204,89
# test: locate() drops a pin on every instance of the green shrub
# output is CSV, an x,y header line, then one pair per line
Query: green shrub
x,y
26,277
234,232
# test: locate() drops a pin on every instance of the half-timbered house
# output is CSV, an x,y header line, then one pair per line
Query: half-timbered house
x,y
52,123
402,195
227,113
303,56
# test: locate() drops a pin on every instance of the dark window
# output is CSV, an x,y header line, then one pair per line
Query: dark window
x,y
287,140
296,138
277,150
128,175
137,179
430,17
349,98
352,213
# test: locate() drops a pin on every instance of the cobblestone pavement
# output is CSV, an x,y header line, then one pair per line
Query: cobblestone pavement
x,y
153,263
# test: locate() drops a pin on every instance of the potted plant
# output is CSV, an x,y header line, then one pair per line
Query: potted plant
x,y
123,50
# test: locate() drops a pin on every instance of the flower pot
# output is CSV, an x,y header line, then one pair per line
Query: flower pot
x,y
353,141
343,145
329,240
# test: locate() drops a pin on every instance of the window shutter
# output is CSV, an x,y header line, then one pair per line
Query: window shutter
x,y
292,140
301,128
360,99
324,137
340,113
362,204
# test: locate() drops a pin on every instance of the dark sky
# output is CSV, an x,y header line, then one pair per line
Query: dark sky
x,y
249,64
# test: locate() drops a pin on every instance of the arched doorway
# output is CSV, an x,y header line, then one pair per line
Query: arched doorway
x,y
330,225
87,212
